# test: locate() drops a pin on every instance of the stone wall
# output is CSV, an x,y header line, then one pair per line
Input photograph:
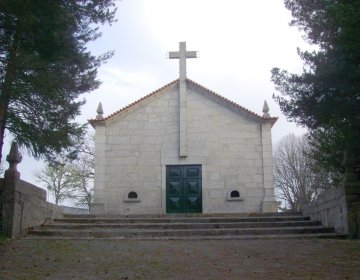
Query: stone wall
x,y
75,210
340,207
22,205
330,208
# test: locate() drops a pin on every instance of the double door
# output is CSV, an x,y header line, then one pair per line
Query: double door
x,y
183,189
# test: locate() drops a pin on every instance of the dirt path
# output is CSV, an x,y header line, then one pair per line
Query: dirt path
x,y
231,259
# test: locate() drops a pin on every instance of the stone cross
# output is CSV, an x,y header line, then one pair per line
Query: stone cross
x,y
182,55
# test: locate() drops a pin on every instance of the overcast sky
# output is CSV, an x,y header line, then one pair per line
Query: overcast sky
x,y
238,42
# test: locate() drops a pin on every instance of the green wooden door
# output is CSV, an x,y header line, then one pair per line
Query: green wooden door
x,y
183,189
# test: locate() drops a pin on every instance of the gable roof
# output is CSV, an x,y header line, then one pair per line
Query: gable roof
x,y
203,90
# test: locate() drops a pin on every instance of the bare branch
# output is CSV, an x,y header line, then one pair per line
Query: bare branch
x,y
296,181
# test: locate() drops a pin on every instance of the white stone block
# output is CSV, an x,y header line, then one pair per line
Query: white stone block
x,y
100,139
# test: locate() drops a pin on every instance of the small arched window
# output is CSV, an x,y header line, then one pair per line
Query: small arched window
x,y
234,194
132,195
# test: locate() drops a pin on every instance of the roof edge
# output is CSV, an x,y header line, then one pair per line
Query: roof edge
x,y
95,122
234,104
228,102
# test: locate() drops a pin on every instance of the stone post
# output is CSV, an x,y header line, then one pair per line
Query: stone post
x,y
98,206
352,192
8,194
269,203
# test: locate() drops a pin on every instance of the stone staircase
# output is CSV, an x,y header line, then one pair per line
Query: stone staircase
x,y
193,226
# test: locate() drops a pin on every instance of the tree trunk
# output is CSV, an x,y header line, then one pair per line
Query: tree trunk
x,y
6,90
4,103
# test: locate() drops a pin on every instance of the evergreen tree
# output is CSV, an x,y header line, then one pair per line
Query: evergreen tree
x,y
45,67
326,96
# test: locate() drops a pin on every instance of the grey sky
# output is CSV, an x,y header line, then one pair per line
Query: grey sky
x,y
238,42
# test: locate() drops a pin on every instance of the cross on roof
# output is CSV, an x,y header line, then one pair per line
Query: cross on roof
x,y
182,55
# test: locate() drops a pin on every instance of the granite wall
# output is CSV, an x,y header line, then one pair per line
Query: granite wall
x,y
24,205
330,208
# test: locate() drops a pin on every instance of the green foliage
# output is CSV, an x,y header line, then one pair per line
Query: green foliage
x,y
45,67
326,96
327,151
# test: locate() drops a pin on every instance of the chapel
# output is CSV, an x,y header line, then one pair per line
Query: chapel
x,y
183,149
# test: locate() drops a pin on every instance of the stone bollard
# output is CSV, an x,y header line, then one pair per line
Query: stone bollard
x,y
9,214
13,158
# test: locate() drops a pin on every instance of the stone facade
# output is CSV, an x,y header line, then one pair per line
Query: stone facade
x,y
134,145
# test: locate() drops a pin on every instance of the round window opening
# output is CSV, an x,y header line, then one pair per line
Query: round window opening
x,y
132,195
235,194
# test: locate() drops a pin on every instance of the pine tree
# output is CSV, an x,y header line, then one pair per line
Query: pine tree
x,y
45,67
325,98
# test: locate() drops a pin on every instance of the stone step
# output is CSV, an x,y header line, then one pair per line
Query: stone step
x,y
183,220
195,226
187,215
203,237
178,225
130,233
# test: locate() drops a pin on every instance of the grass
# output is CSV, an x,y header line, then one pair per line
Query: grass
x,y
3,238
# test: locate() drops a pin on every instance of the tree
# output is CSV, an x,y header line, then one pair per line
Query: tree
x,y
296,180
71,179
82,174
45,67
55,176
326,96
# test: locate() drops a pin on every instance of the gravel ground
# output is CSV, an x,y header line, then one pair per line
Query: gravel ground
x,y
210,259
